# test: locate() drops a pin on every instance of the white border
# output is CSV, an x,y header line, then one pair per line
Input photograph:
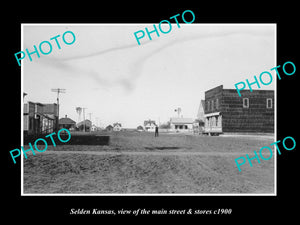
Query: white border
x,y
275,117
167,194
22,113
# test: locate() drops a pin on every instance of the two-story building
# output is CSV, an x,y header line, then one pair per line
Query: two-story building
x,y
117,127
149,125
226,111
39,118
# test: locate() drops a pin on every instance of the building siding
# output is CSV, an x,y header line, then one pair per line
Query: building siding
x,y
236,118
36,120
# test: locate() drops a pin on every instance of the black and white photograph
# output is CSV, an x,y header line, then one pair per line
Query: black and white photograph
x,y
140,112
149,112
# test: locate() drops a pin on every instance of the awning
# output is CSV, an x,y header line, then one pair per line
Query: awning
x,y
212,114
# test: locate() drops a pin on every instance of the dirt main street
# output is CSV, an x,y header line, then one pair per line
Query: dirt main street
x,y
164,153
133,164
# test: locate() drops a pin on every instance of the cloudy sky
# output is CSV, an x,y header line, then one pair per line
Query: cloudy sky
x,y
117,80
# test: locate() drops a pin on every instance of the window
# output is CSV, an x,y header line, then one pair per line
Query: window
x,y
208,105
217,103
245,102
30,123
212,105
269,103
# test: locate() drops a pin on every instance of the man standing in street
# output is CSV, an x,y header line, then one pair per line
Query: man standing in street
x,y
156,131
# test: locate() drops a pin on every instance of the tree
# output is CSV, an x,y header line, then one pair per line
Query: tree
x,y
165,125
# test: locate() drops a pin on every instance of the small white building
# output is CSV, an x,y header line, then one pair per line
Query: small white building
x,y
95,128
149,125
179,124
117,127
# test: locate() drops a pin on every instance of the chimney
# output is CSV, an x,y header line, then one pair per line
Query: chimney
x,y
66,116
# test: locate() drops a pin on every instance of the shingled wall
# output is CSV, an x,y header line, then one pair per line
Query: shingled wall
x,y
235,118
256,118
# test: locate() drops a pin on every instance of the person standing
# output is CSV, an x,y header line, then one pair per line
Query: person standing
x,y
156,131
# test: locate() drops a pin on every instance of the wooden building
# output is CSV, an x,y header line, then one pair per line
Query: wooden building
x,y
117,127
149,125
180,124
109,128
67,123
225,111
39,118
140,128
95,128
84,125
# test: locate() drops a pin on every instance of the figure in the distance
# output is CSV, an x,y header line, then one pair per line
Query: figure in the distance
x,y
156,131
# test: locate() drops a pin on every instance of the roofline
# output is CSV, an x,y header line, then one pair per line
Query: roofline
x,y
50,103
233,89
38,103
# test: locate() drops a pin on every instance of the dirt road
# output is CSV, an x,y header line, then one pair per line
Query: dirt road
x,y
142,164
166,153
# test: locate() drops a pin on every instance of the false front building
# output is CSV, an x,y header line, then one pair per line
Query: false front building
x,y
226,112
39,118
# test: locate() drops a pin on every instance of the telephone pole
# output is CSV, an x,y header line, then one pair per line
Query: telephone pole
x,y
84,118
58,90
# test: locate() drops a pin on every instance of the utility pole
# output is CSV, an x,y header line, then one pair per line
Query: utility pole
x,y
83,118
58,90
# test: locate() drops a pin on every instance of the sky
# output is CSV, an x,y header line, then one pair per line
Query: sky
x,y
117,80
